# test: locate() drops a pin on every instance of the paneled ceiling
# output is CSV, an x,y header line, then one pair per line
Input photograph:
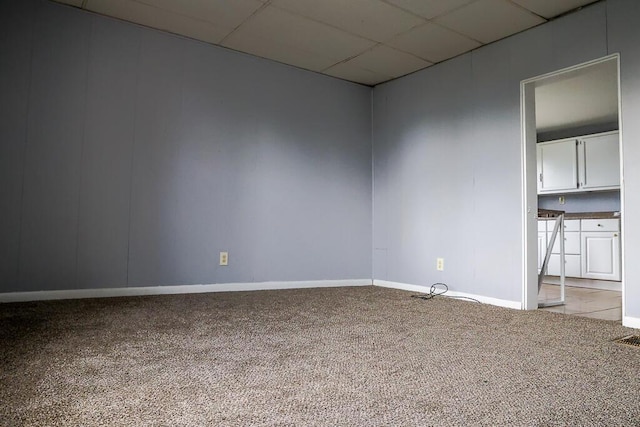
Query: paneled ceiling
x,y
364,41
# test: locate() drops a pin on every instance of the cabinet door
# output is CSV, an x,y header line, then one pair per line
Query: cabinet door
x,y
600,253
599,156
542,226
542,248
557,166
571,265
571,243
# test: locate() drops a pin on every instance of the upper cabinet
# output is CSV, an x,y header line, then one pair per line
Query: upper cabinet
x,y
600,156
586,163
557,165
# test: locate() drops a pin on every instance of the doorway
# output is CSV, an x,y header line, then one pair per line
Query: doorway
x,y
572,163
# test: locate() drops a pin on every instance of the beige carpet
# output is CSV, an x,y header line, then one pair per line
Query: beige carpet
x,y
337,356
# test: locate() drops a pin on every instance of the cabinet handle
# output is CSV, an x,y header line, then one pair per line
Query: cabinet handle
x,y
599,225
615,235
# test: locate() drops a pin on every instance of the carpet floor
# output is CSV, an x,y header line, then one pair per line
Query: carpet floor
x,y
326,357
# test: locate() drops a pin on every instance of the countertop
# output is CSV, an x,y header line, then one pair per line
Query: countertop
x,y
548,214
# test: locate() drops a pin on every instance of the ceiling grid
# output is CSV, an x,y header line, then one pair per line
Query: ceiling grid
x,y
364,41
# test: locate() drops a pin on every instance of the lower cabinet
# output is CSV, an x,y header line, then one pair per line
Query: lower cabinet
x,y
542,249
600,248
571,250
601,255
592,248
572,266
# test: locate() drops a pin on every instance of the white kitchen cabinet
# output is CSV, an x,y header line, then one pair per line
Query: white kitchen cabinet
x,y
600,249
600,157
542,249
572,266
587,163
605,224
571,243
557,166
592,248
571,250
542,242
571,257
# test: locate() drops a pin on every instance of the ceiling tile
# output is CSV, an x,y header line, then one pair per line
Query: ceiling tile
x,y
489,20
159,18
433,43
356,74
551,8
386,61
372,19
267,48
225,13
301,34
429,8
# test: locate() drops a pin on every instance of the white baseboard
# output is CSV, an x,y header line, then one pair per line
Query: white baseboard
x,y
179,289
425,289
402,286
631,322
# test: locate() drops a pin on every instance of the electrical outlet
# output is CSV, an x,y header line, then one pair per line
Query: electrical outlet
x,y
440,264
224,258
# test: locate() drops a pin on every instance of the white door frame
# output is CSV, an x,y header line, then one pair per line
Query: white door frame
x,y
529,188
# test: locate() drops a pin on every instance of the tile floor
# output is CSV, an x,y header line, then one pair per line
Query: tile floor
x,y
586,302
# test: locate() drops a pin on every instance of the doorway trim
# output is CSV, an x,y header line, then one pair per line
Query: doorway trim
x,y
529,188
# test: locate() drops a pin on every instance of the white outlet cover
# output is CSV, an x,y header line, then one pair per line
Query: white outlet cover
x,y
224,258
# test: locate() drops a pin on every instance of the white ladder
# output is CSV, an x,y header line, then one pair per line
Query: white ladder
x,y
559,227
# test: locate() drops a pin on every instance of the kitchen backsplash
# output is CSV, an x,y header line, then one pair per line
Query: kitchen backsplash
x,y
602,201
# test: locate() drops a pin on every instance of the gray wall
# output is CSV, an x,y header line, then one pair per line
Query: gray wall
x,y
447,155
131,157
